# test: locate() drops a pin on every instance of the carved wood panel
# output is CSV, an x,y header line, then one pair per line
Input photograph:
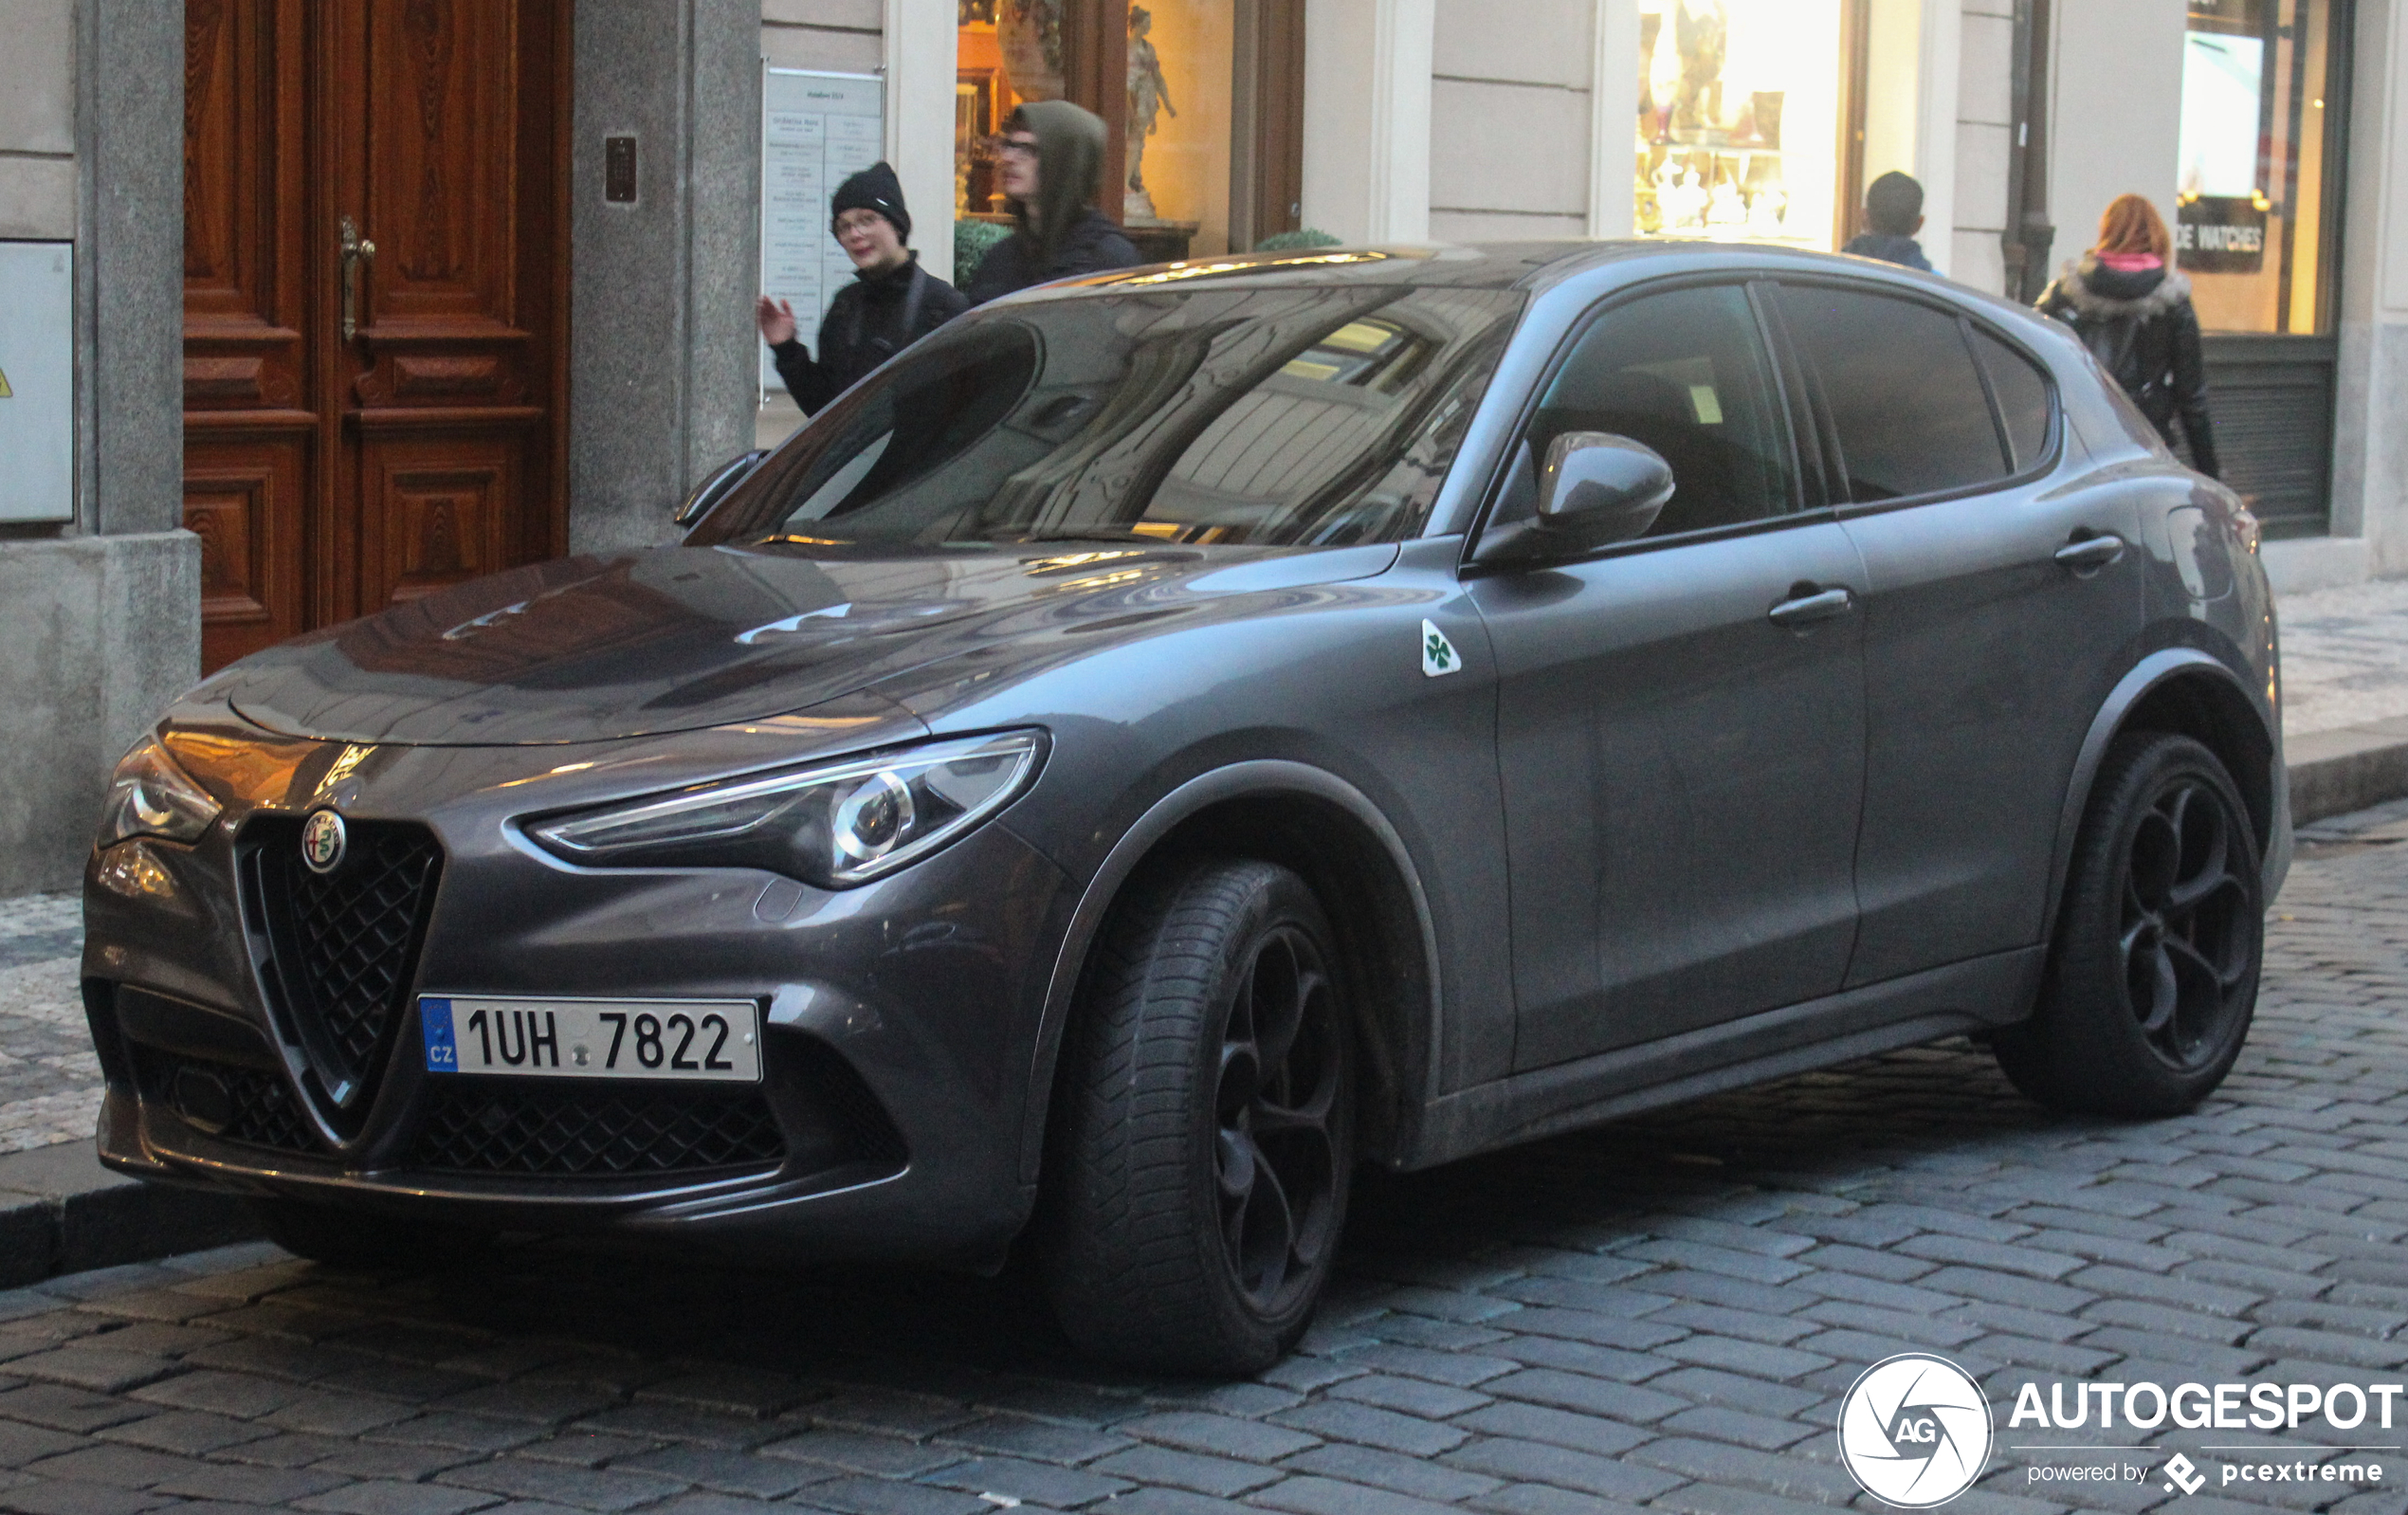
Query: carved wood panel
x,y
243,497
427,448
438,510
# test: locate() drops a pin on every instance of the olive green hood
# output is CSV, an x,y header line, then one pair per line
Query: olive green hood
x,y
1070,166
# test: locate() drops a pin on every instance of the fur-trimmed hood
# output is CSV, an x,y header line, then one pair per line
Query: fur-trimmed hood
x,y
2103,294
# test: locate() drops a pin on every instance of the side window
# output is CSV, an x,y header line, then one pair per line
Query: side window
x,y
1909,410
2023,393
1684,372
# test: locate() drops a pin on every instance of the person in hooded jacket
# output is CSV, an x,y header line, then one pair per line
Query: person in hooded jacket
x,y
2133,312
1052,162
891,304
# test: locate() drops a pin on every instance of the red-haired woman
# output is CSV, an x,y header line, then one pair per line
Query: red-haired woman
x,y
2133,312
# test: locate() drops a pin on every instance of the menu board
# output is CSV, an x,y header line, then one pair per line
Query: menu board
x,y
816,131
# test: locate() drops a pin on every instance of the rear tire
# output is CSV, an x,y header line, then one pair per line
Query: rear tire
x,y
2152,979
1198,1173
342,1237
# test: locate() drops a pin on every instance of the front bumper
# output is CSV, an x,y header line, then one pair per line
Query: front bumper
x,y
899,1020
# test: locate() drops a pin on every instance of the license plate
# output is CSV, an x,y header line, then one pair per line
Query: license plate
x,y
710,1039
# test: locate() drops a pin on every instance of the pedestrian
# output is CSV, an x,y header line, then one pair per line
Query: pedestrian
x,y
891,304
1051,166
2133,312
1893,214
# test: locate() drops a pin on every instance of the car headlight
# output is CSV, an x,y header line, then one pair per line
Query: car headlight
x,y
834,825
150,796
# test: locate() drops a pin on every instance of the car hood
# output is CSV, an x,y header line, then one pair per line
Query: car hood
x,y
681,638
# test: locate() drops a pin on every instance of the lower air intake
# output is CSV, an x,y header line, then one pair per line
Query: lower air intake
x,y
585,1131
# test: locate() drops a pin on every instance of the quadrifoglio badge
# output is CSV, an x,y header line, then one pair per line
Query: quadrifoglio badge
x,y
1915,1431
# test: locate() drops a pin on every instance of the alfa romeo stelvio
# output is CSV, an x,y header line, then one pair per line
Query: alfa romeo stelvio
x,y
1173,736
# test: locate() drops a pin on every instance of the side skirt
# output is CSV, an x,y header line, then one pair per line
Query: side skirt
x,y
1997,990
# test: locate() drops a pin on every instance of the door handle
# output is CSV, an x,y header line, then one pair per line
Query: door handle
x,y
355,249
1808,604
2086,555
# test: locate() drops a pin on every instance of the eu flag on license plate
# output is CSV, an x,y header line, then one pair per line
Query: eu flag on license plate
x,y
434,1018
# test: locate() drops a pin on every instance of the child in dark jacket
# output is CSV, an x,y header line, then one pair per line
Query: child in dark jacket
x,y
1893,214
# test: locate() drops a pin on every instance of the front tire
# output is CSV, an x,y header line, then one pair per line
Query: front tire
x,y
1198,1176
2152,980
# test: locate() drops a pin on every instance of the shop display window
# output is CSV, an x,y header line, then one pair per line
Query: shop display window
x,y
1202,99
1741,104
2252,194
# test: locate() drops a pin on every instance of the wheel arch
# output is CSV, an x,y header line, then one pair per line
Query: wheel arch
x,y
1332,834
2189,692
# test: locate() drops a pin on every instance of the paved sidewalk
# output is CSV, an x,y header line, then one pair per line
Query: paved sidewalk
x,y
1661,1313
49,1080
2344,656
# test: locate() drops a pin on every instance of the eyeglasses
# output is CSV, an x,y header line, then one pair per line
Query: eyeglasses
x,y
1017,147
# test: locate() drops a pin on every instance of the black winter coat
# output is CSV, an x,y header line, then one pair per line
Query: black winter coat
x,y
870,320
1092,244
2141,329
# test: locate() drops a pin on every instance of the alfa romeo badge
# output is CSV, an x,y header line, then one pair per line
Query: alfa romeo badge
x,y
323,841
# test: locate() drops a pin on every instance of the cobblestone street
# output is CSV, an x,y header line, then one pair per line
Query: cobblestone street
x,y
1661,1313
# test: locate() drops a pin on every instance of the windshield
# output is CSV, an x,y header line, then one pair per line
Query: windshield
x,y
1283,416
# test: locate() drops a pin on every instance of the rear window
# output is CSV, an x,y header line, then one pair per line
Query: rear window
x,y
2023,397
1286,417
1911,414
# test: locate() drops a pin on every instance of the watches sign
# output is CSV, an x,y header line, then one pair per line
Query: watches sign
x,y
37,381
2220,234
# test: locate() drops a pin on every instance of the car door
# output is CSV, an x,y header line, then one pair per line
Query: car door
x,y
1680,717
2002,605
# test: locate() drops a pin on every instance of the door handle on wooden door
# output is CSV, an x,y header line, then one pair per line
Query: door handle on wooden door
x,y
355,249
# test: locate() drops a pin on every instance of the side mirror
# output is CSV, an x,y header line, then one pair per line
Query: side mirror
x,y
715,487
1602,488
1594,490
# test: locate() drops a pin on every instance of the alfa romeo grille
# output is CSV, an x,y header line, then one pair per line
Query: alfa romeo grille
x,y
342,945
476,1125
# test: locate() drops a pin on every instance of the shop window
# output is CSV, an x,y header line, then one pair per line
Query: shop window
x,y
2255,192
1203,100
1741,105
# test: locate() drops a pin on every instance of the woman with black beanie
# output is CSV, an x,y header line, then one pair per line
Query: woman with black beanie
x,y
891,304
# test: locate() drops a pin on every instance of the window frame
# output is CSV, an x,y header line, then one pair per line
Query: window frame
x,y
2053,448
1805,508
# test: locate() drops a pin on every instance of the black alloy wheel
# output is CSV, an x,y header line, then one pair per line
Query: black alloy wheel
x,y
2152,979
1274,1156
1201,1141
2188,948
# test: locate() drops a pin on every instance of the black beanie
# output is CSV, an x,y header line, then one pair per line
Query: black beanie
x,y
875,188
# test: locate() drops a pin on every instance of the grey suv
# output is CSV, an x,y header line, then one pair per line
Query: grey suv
x,y
1171,737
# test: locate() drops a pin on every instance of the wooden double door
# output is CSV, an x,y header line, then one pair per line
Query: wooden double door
x,y
376,285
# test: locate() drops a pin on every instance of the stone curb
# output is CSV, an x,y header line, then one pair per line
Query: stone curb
x,y
61,1212
2333,773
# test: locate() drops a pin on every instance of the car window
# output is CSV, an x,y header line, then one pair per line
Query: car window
x,y
1910,412
1684,372
1283,416
2022,392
